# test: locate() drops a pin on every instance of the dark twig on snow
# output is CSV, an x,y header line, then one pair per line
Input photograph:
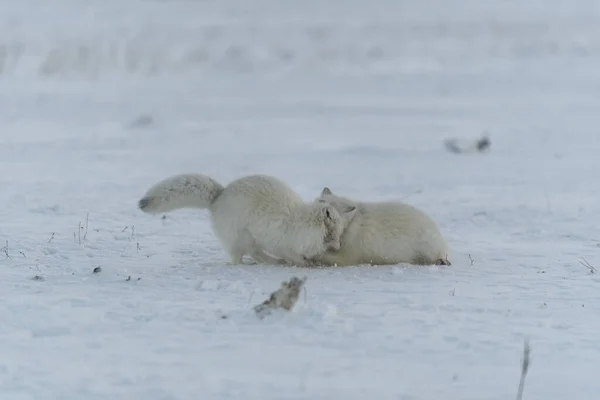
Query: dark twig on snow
x,y
479,145
51,237
524,368
87,220
589,266
5,249
471,259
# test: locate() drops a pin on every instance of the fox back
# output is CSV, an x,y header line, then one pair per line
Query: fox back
x,y
386,233
265,211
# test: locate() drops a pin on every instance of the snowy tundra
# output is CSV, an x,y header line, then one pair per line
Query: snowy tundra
x,y
100,99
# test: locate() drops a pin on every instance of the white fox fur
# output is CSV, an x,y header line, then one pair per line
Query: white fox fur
x,y
255,215
385,233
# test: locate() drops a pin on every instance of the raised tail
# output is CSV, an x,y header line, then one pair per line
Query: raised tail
x,y
180,191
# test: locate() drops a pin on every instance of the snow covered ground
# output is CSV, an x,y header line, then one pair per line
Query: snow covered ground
x,y
100,99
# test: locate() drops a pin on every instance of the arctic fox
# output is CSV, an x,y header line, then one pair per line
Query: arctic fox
x,y
385,233
255,215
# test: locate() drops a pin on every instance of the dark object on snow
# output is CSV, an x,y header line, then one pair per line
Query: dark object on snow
x,y
285,297
525,362
142,121
483,143
96,270
461,146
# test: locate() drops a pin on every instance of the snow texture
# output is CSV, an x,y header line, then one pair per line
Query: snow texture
x,y
101,99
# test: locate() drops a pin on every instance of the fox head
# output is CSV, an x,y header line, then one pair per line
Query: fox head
x,y
339,211
345,207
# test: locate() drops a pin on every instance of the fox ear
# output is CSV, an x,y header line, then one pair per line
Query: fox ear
x,y
326,191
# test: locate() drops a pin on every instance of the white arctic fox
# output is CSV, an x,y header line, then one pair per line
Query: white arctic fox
x,y
255,215
385,233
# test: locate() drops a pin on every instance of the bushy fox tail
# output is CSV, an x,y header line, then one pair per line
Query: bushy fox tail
x,y
180,191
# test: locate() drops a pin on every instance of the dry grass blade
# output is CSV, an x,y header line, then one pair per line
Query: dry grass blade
x,y
589,266
524,368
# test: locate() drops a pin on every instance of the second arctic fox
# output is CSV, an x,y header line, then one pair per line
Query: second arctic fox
x,y
386,233
255,215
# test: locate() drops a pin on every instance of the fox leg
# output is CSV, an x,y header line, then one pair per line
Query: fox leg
x,y
262,258
236,257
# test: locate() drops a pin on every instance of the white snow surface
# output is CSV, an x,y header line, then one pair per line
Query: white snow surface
x,y
101,99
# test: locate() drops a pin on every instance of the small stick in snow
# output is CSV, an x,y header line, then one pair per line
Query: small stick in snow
x,y
6,250
87,219
460,146
524,368
585,263
79,232
285,297
471,259
51,237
